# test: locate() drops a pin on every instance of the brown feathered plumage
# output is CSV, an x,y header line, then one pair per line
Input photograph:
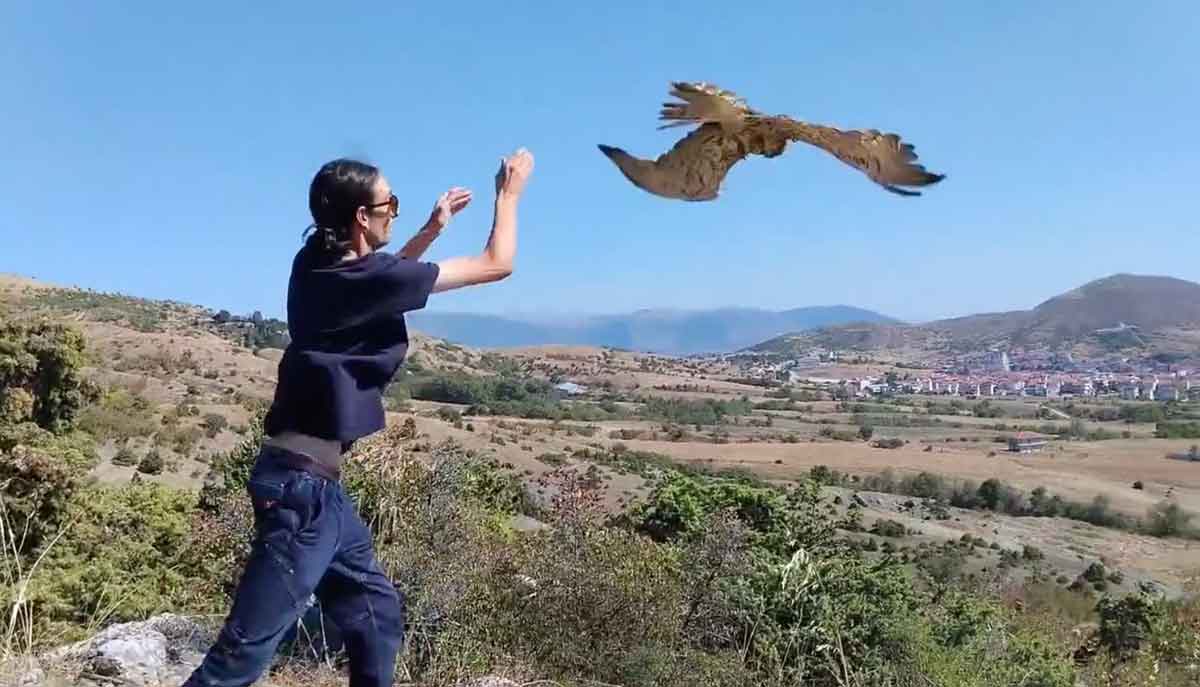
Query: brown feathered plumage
x,y
729,130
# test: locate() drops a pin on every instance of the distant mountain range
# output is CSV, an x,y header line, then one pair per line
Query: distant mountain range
x,y
1122,311
675,332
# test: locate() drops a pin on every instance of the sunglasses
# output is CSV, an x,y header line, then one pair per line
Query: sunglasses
x,y
393,204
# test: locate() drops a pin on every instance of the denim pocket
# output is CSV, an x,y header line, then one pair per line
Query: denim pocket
x,y
279,514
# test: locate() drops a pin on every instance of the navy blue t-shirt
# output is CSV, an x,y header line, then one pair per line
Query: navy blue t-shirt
x,y
346,321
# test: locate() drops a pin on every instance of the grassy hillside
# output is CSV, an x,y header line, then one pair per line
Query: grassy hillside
x,y
1164,313
172,381
1148,302
664,524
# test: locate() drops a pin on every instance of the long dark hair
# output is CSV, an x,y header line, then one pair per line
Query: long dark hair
x,y
339,188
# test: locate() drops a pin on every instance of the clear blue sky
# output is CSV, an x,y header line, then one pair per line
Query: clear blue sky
x,y
164,149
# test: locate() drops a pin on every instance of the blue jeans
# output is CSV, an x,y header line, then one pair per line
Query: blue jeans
x,y
308,540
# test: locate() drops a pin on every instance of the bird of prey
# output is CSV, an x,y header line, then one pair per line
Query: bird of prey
x,y
729,130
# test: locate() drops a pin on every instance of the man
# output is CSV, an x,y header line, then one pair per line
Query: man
x,y
346,303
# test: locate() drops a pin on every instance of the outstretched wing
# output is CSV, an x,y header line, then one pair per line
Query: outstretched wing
x,y
883,157
704,103
692,169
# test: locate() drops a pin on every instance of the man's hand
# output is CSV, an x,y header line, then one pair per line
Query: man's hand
x,y
496,260
448,204
514,172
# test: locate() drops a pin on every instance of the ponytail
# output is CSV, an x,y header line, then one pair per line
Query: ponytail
x,y
338,189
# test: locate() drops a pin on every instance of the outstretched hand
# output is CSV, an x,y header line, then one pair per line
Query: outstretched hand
x,y
514,172
448,204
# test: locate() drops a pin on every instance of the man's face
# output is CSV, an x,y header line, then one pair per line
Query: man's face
x,y
379,216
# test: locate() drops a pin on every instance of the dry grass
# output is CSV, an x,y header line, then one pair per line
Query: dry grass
x,y
17,623
1080,470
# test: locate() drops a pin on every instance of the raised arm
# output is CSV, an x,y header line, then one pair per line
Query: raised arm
x,y
496,260
447,205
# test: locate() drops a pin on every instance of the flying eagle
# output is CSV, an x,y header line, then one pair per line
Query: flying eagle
x,y
729,130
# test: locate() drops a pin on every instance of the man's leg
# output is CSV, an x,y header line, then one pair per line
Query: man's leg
x,y
297,535
368,610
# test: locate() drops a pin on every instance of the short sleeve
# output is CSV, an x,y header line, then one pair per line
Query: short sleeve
x,y
327,301
408,282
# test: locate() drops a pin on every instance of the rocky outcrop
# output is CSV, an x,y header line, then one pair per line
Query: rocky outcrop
x,y
159,652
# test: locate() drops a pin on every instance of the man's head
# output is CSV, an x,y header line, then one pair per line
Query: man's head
x,y
352,202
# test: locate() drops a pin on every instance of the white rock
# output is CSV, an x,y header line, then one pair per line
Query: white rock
x,y
491,682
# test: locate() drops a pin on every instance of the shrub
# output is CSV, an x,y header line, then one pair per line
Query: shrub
x,y
838,435
213,424
1095,572
16,406
118,561
1168,519
1009,559
229,472
125,457
1126,623
888,528
151,463
408,429
45,361
39,475
181,440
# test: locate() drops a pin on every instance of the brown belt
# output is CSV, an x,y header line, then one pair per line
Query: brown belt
x,y
297,461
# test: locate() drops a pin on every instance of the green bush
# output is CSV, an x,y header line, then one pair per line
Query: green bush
x,y
44,360
152,463
1095,572
213,424
838,435
39,475
501,395
693,412
1128,622
229,472
1168,519
125,457
1177,430
16,406
1142,413
117,561
889,528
